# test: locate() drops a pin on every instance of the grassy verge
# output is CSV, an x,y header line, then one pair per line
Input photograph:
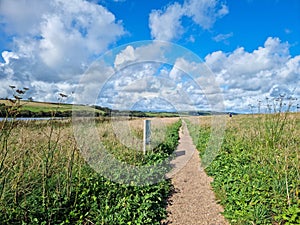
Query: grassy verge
x,y
45,180
257,173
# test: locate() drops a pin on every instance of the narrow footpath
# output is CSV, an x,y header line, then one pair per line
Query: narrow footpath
x,y
193,202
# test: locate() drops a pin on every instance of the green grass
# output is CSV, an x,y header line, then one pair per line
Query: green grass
x,y
45,180
38,107
257,172
161,114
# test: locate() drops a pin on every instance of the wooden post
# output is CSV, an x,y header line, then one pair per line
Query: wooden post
x,y
147,134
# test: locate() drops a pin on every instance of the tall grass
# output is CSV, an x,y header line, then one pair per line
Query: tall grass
x,y
256,174
45,180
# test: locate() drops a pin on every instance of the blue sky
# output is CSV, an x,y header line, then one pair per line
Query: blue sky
x,y
248,50
248,24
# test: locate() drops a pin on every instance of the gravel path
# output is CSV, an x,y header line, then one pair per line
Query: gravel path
x,y
193,201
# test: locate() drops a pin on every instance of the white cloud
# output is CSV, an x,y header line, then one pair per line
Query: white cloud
x,y
45,91
181,81
23,17
222,37
125,55
291,71
241,77
266,71
273,54
55,45
8,55
76,31
55,41
92,82
205,12
135,78
139,80
166,24
147,51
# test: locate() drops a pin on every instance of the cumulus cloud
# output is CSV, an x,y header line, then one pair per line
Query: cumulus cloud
x,y
166,24
205,13
235,79
139,76
246,77
54,41
23,17
54,45
145,74
136,79
125,55
85,29
148,51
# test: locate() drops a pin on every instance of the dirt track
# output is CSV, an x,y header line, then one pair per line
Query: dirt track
x,y
193,201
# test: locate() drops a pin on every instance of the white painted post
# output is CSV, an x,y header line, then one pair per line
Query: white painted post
x,y
147,134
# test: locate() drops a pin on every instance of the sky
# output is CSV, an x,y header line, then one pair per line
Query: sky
x,y
219,55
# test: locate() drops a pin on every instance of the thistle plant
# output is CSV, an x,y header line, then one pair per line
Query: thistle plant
x,y
277,136
276,118
53,135
10,111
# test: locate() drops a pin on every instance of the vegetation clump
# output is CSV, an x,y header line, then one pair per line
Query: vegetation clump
x,y
45,180
257,171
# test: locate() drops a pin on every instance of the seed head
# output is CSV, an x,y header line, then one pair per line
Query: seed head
x,y
20,91
17,97
63,95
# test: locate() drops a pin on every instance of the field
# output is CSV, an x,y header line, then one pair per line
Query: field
x,y
45,178
257,171
47,108
54,172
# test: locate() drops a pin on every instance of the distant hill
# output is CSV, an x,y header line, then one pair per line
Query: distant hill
x,y
50,109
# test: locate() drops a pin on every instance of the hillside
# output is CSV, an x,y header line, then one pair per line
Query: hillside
x,y
45,109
